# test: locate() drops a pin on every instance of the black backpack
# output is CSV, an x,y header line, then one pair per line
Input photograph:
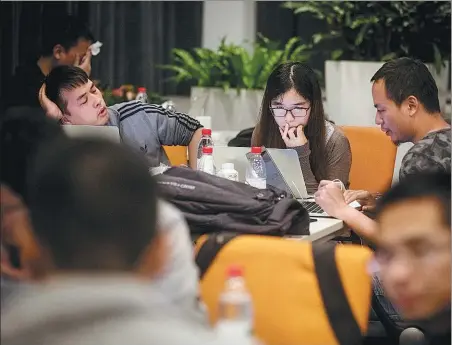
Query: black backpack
x,y
213,204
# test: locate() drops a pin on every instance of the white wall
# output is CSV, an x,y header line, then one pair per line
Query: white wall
x,y
235,19
401,152
349,91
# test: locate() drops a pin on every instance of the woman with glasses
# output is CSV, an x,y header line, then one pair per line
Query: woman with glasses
x,y
292,116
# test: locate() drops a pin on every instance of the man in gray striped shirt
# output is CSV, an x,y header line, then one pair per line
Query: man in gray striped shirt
x,y
69,95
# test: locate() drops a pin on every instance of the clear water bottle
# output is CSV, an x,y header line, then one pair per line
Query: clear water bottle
x,y
256,175
206,164
169,105
228,172
206,141
142,95
235,318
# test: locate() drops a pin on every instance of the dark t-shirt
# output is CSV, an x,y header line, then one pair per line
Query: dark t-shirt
x,y
23,87
430,154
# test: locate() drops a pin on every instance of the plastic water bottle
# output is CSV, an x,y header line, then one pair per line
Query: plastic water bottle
x,y
206,163
206,141
142,95
228,172
235,318
169,105
256,175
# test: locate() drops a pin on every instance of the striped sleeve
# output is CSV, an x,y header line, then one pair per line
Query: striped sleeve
x,y
171,128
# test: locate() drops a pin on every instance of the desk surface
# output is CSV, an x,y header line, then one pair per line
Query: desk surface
x,y
322,229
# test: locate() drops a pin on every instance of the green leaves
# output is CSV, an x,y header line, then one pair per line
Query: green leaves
x,y
380,30
336,54
234,66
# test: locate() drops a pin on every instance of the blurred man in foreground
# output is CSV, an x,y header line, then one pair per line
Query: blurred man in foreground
x,y
414,251
21,137
93,207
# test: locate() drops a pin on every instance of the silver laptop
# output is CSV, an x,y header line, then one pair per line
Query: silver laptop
x,y
110,133
283,172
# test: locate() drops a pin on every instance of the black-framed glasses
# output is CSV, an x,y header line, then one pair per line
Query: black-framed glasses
x,y
296,111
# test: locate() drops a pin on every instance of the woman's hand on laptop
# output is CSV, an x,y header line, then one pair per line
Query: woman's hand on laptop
x,y
50,108
365,198
331,199
293,137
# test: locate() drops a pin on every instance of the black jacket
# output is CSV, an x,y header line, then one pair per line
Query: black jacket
x,y
23,87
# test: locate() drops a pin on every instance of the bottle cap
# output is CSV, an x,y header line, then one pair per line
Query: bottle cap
x,y
142,89
234,271
227,166
206,131
256,149
207,149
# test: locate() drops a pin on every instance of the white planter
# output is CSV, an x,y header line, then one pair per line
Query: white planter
x,y
349,91
442,81
228,111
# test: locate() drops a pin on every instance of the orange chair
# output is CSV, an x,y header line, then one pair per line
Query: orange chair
x,y
281,277
177,155
373,158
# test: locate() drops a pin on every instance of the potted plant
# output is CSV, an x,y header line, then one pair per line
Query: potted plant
x,y
124,93
361,36
229,82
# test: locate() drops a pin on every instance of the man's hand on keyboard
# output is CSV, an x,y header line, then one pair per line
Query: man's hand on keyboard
x,y
365,198
331,198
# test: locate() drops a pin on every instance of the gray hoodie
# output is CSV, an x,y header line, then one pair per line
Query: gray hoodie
x,y
99,310
179,280
179,277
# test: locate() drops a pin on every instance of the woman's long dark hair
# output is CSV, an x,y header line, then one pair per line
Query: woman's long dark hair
x,y
298,76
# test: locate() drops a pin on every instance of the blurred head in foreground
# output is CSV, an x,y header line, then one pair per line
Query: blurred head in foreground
x,y
93,209
414,254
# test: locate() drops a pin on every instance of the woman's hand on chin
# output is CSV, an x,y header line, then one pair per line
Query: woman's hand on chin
x,y
293,137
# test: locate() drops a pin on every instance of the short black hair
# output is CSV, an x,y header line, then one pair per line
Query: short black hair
x,y
64,78
21,135
93,205
65,30
435,185
404,77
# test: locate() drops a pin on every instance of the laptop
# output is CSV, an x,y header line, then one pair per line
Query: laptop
x,y
110,133
283,172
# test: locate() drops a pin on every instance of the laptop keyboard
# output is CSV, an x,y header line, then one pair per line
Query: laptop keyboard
x,y
312,207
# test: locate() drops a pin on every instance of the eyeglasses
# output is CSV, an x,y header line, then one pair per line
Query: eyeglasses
x,y
296,111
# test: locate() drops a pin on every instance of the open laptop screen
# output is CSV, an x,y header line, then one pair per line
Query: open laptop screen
x,y
274,177
110,133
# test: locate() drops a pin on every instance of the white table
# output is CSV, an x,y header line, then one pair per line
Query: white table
x,y
323,229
